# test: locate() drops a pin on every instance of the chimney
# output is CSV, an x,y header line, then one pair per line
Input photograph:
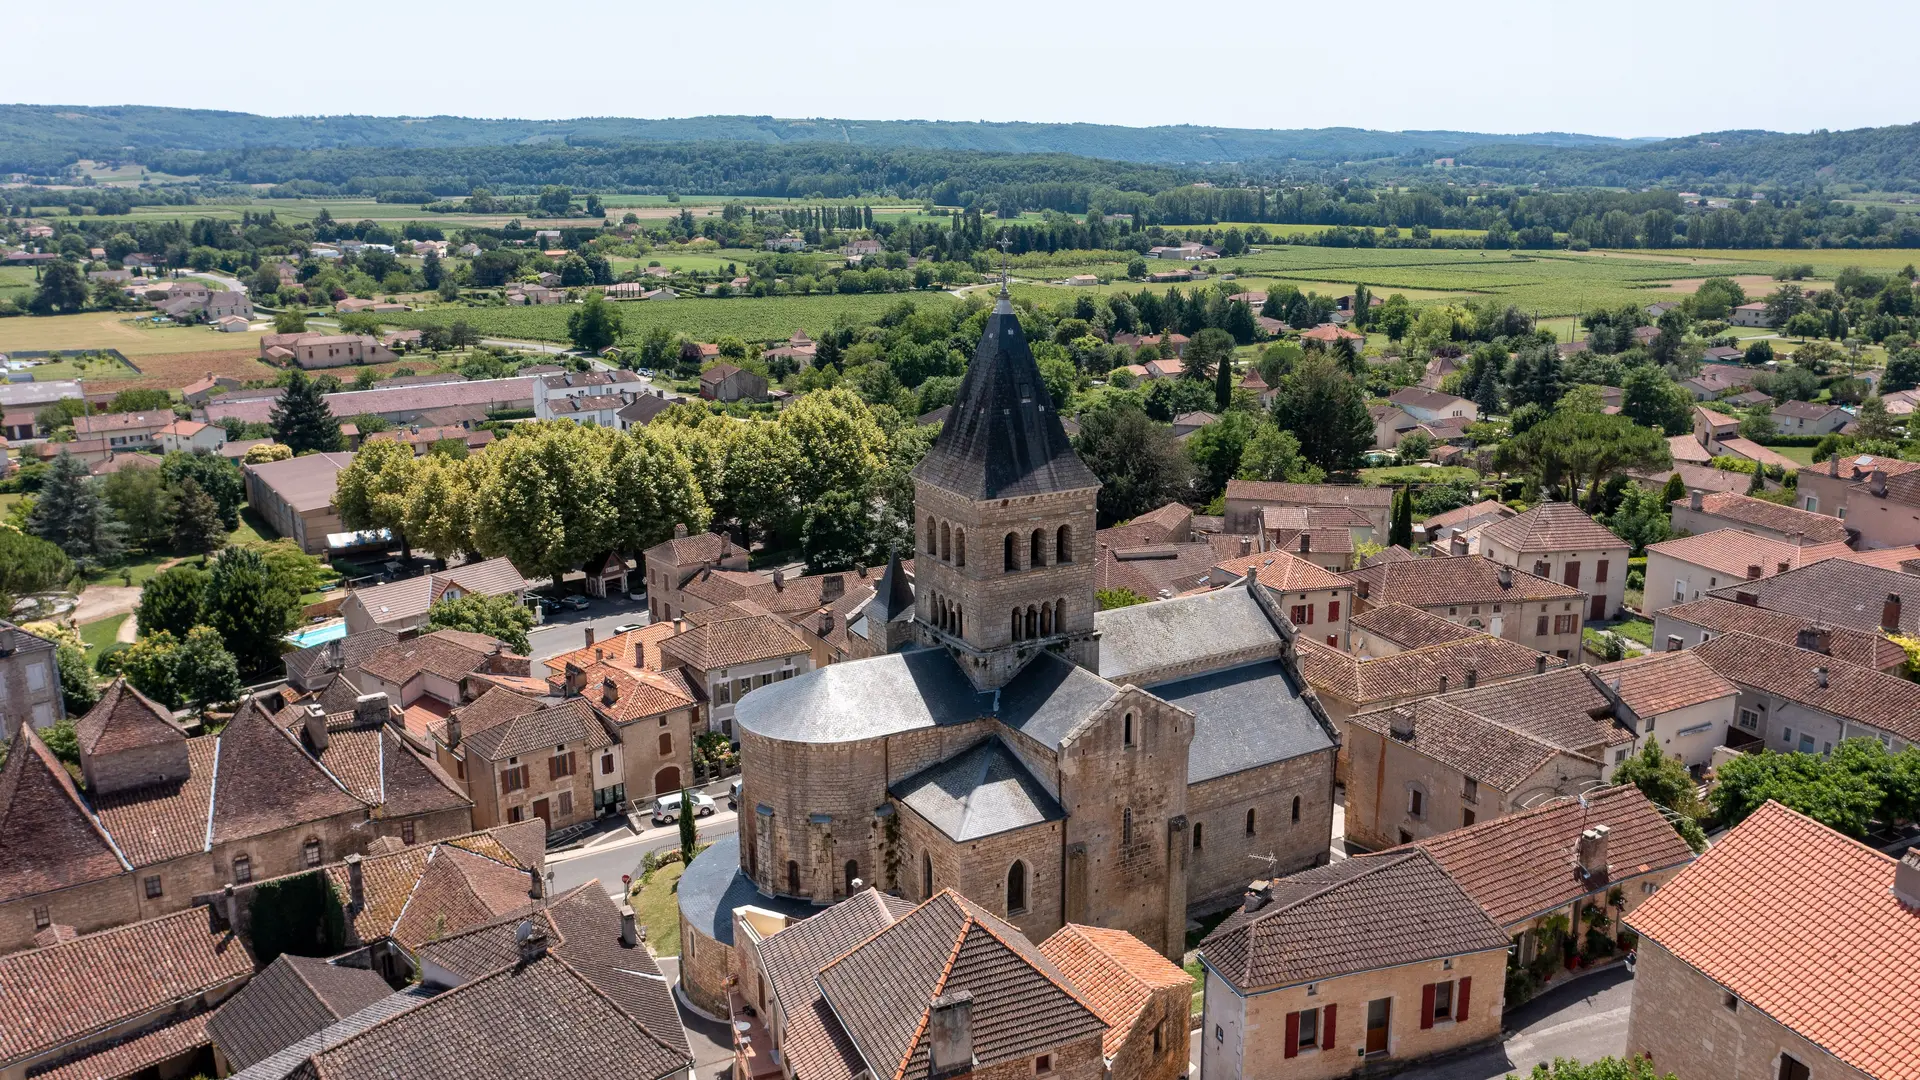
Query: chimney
x,y
950,1035
629,929
1506,576
1593,852
1443,684
572,681
832,587
609,691
1906,879
1753,572
1890,614
1473,677
1457,544
589,635
825,625
1814,639
779,580
1877,483
1540,664
1361,588
539,888
453,730
680,531
532,941
315,719
356,884
1306,543
1782,567
371,709
1400,723
1747,598
1820,676
1258,893
1696,500
1246,546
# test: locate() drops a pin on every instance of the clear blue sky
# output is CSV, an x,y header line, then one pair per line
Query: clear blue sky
x,y
1626,67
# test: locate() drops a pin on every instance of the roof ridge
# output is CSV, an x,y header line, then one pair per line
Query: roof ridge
x,y
939,986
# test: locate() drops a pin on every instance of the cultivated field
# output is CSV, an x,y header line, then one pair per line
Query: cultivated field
x,y
1826,261
116,330
747,318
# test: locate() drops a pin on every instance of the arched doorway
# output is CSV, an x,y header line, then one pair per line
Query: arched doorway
x,y
667,780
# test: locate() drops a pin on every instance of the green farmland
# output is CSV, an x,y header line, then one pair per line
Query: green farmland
x,y
748,318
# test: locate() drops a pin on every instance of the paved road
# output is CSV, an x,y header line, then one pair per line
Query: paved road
x,y
609,856
566,630
1582,1020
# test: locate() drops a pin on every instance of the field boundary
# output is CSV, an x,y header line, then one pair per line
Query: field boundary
x,y
68,354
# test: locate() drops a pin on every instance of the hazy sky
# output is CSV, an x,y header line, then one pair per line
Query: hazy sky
x,y
1625,67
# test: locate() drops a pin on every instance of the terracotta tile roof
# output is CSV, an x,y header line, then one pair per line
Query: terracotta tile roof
x,y
1734,553
717,586
814,1042
48,840
1472,512
883,991
637,694
67,991
1408,626
1336,540
1522,865
1390,553
1663,682
138,1054
1360,914
1566,708
1687,448
421,893
1470,744
1552,526
1834,591
1411,671
564,723
164,821
1821,944
1696,477
1868,649
431,654
686,551
1886,702
293,998
1805,410
401,600
1785,520
1753,451
1282,571
1153,569
727,642
1173,521
635,648
528,1021
376,765
1283,494
126,719
1116,974
265,782
1894,558
1461,579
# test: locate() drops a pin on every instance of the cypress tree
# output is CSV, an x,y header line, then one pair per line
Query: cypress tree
x,y
1402,532
1223,382
301,418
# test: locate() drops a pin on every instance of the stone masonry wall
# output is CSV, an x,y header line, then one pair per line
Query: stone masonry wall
x,y
137,767
978,870
1222,860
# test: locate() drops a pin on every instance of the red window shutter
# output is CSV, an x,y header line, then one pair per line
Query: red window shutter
x,y
1333,611
1327,1014
1426,1006
1460,999
1600,572
1293,1034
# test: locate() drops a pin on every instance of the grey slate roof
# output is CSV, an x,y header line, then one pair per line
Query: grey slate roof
x,y
893,596
1003,438
865,699
1051,697
714,885
1244,717
1181,630
979,793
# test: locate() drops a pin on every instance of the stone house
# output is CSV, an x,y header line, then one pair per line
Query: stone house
x,y
1144,999
190,435
1348,968
1683,625
1878,498
1246,498
1591,860
653,715
133,431
162,818
734,650
669,565
1683,570
1559,542
1816,980
1674,699
1481,595
129,1001
1842,592
877,986
29,681
1048,761
1701,513
725,382
1795,698
367,751
1317,601
1393,628
1442,763
524,758
427,675
403,606
1808,418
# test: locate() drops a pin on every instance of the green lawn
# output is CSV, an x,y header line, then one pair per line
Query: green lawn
x,y
1417,474
143,565
1639,630
656,903
1801,454
101,636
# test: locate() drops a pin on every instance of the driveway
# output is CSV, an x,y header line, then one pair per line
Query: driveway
x,y
711,1041
104,601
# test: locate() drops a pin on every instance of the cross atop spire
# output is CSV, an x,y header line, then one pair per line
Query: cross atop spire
x,y
1006,263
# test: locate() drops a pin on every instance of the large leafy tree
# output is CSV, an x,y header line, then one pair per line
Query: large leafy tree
x,y
1273,454
1217,450
251,610
29,565
301,418
756,484
439,513
1139,464
842,446
197,529
1652,400
1643,517
501,617
1845,791
594,325
72,514
374,491
542,498
654,489
173,601
141,500
62,289
217,476
1326,409
1581,450
835,533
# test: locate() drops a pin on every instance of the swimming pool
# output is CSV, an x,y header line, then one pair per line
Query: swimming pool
x,y
314,635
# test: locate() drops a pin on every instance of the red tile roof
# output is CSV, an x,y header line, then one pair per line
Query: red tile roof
x,y
1733,552
1461,579
1115,973
1785,520
1663,682
126,719
1820,943
1407,626
1552,526
47,839
1720,616
1425,670
1283,572
1886,702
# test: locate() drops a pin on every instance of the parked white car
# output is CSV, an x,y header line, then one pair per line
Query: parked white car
x,y
666,808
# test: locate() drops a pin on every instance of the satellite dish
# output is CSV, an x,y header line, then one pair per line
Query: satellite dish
x,y
524,931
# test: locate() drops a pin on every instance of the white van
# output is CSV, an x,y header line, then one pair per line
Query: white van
x,y
666,808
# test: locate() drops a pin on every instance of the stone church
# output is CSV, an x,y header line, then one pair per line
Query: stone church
x,y
1049,761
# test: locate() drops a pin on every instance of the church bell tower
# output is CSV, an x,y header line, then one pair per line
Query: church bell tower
x,y
1004,545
